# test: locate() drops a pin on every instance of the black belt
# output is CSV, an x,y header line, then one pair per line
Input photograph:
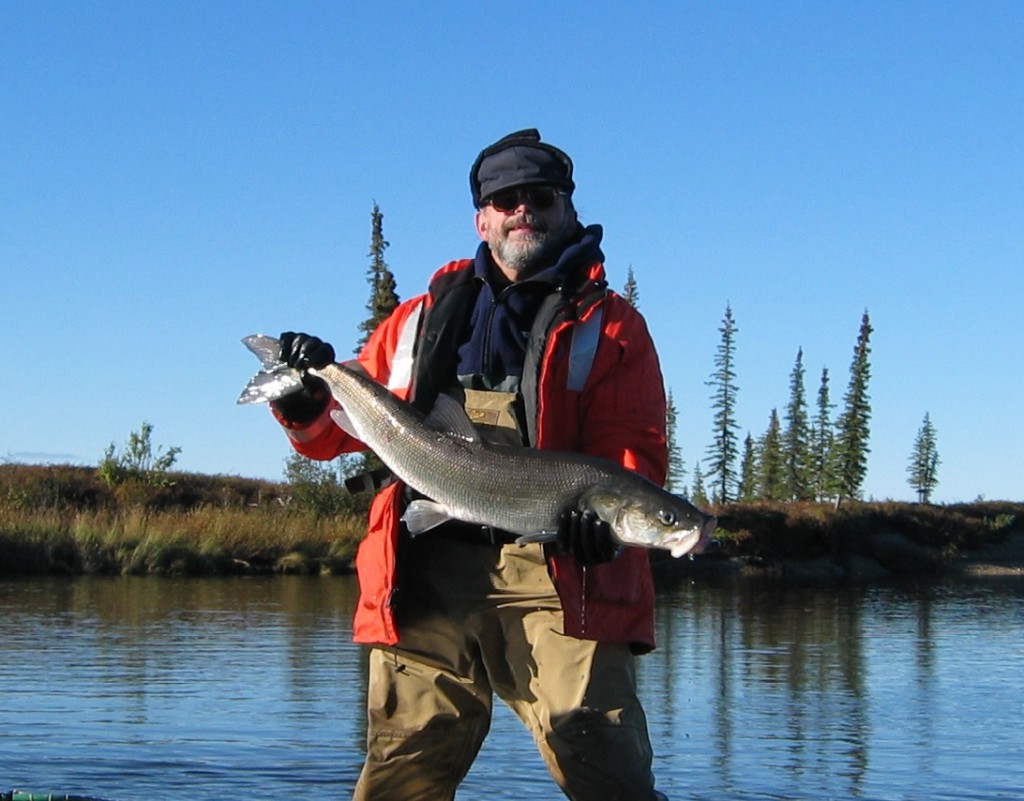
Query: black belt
x,y
472,533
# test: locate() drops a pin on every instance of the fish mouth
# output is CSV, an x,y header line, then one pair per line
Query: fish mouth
x,y
693,540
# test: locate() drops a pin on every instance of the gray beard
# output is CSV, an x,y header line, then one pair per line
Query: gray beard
x,y
526,256
523,257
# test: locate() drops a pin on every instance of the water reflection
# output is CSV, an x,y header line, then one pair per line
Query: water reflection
x,y
121,686
774,691
765,681
137,688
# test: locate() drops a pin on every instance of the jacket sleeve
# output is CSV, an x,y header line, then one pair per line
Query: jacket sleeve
x,y
320,438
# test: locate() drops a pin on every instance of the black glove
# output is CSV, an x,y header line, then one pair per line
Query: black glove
x,y
587,537
303,351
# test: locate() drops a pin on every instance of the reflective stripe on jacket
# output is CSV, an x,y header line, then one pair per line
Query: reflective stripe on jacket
x,y
608,401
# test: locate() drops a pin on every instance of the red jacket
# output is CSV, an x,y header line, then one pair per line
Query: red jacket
x,y
619,415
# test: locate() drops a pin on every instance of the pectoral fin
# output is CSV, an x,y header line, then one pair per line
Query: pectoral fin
x,y
342,421
422,515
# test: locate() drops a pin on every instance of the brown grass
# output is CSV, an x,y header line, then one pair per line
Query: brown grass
x,y
63,520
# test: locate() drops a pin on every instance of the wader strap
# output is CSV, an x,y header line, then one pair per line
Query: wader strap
x,y
585,336
551,307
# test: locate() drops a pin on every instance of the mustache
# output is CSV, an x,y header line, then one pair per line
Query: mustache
x,y
529,219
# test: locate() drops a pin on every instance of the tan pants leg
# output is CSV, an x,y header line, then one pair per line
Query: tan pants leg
x,y
490,622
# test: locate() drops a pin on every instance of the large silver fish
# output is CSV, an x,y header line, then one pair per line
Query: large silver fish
x,y
521,490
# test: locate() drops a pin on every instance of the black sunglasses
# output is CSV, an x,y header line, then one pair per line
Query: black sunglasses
x,y
540,197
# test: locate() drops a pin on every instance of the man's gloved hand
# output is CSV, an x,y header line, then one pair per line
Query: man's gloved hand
x,y
303,351
587,537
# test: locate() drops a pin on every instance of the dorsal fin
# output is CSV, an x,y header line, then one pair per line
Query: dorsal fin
x,y
449,416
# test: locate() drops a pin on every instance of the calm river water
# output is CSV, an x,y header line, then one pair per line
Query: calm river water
x,y
133,689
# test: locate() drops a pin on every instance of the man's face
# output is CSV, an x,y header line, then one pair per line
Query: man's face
x,y
525,228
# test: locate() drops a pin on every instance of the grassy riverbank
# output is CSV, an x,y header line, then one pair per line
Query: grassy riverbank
x,y
64,520
866,541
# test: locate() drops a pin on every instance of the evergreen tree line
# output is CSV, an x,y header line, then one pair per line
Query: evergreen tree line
x,y
805,454
802,455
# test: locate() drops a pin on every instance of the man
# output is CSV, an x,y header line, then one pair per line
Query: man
x,y
541,354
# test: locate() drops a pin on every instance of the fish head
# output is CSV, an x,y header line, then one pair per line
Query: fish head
x,y
654,518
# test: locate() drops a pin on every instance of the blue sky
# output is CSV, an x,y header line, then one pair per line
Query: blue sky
x,y
174,176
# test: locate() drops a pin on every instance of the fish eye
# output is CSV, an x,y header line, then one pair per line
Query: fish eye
x,y
666,517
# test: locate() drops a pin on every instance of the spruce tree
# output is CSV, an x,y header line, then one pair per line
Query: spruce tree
x,y
676,468
823,483
383,295
771,466
853,427
723,451
924,462
382,301
699,495
748,471
631,292
795,442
